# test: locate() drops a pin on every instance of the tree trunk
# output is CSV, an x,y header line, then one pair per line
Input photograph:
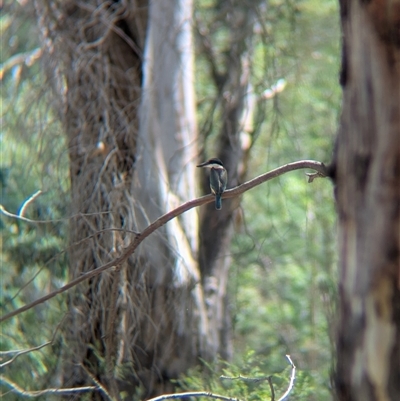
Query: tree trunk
x,y
172,329
367,177
232,80
123,75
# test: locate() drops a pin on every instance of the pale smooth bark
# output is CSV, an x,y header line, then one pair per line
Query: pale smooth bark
x,y
175,321
123,79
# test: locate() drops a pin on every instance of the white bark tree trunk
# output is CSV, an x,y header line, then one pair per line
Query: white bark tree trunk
x,y
123,75
167,152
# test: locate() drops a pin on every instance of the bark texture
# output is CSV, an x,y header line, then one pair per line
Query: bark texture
x,y
123,76
94,60
367,175
235,102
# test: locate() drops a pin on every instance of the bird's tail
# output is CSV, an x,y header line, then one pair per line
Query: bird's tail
x,y
218,202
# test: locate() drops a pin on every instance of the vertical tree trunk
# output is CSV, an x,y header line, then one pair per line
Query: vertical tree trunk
x,y
232,80
367,174
172,330
123,74
95,55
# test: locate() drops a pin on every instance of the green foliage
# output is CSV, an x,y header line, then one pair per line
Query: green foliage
x,y
33,158
252,379
283,273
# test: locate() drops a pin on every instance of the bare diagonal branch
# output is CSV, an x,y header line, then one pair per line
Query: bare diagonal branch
x,y
231,193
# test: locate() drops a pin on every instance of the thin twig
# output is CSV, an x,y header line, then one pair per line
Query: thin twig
x,y
18,217
231,193
32,394
110,341
26,351
271,386
193,394
313,176
28,58
221,397
292,377
27,202
97,382
245,379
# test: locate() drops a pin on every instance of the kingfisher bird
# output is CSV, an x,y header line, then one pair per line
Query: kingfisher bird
x,y
218,179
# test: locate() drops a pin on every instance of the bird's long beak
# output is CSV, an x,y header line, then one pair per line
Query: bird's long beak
x,y
203,164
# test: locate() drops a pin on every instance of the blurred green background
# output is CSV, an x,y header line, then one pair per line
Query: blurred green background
x,y
283,275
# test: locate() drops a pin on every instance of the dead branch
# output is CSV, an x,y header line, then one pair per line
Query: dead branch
x,y
292,377
193,394
222,397
28,201
231,193
32,394
28,350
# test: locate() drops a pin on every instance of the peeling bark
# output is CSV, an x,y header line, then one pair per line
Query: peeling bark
x,y
123,79
367,177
